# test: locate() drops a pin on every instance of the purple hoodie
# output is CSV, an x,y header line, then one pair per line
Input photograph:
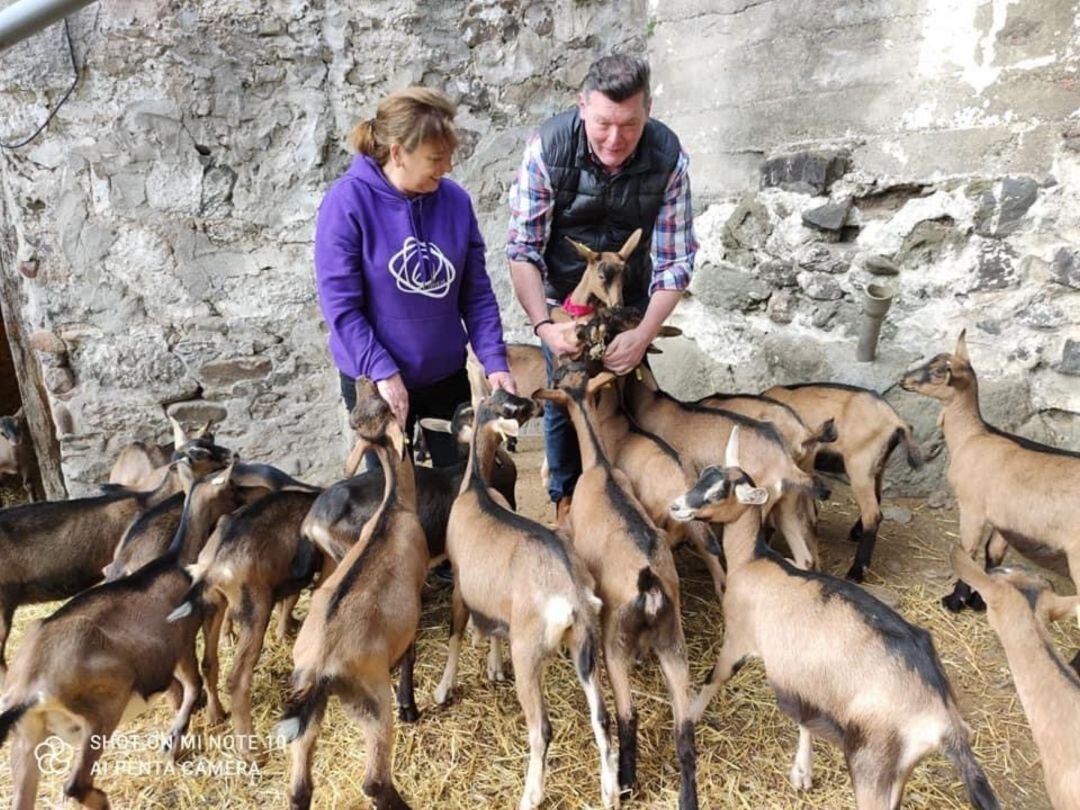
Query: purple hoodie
x,y
396,277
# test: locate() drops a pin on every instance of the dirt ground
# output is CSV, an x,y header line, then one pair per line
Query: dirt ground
x,y
473,753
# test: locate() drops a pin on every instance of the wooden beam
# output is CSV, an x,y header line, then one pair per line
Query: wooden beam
x,y
31,388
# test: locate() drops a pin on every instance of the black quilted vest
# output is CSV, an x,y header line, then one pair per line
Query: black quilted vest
x,y
601,211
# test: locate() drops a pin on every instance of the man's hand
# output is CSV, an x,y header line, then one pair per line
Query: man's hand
x,y
626,350
392,389
559,338
503,380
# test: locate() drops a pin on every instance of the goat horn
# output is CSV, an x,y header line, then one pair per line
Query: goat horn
x,y
731,456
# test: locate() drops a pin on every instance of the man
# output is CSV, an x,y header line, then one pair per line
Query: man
x,y
596,173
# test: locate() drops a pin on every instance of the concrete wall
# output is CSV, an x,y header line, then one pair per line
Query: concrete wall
x,y
163,222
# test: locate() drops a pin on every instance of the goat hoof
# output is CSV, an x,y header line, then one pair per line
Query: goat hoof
x,y
443,697
975,602
856,573
800,779
408,714
954,602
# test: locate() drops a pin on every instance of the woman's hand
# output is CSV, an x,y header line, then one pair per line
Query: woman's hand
x,y
503,380
392,389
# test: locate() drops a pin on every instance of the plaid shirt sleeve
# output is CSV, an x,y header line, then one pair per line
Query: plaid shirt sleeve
x,y
673,244
531,201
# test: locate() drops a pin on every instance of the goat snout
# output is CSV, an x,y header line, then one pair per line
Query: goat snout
x,y
682,511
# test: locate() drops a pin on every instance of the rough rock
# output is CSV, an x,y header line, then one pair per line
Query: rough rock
x,y
808,172
1065,269
829,217
1070,358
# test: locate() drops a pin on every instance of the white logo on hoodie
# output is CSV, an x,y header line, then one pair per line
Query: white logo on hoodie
x,y
408,264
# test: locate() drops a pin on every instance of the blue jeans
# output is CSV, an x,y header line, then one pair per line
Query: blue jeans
x,y
560,443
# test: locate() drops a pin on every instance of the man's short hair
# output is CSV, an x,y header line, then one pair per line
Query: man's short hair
x,y
618,77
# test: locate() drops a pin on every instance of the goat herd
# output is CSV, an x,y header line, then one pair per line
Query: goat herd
x,y
190,543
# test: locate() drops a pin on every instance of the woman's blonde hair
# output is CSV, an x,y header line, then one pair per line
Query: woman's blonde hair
x,y
408,117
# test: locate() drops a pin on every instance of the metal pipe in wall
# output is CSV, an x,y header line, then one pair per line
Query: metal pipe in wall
x,y
24,18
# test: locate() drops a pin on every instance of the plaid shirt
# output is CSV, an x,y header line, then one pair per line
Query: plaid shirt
x,y
532,207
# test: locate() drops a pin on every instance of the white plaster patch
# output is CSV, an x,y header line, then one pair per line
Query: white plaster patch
x,y
952,39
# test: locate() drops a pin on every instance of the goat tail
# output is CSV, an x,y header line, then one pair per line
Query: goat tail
x,y
652,600
911,447
958,749
10,717
304,704
558,618
190,603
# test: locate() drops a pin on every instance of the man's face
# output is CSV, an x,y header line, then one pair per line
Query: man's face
x,y
613,128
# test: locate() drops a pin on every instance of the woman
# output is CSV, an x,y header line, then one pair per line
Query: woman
x,y
400,270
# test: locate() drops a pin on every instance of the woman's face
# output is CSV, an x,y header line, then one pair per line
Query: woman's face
x,y
419,171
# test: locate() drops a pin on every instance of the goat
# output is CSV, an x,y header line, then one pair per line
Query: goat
x,y
699,436
104,654
803,442
526,367
336,517
16,455
635,572
517,579
54,549
363,620
255,558
1025,493
868,430
845,666
1019,607
142,466
656,473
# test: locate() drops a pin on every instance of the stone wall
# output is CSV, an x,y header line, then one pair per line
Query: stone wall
x,y
163,222
931,147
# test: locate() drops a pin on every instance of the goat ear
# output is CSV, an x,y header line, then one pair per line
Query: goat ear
x,y
584,251
179,437
652,349
599,381
629,245
185,474
1060,607
971,573
755,496
961,351
669,331
552,395
201,432
353,461
436,425
396,434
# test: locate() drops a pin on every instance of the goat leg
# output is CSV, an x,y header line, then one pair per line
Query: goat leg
x,y
459,617
7,612
187,672
80,784
527,671
406,699
971,535
673,663
286,623
211,660
584,653
732,655
495,672
617,658
375,714
869,520
802,768
25,770
249,643
301,754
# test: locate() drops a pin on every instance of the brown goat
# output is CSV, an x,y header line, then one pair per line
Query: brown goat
x,y
867,431
635,573
255,558
1025,493
845,666
105,653
141,466
363,621
54,549
16,455
1020,606
699,435
519,580
656,473
602,280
